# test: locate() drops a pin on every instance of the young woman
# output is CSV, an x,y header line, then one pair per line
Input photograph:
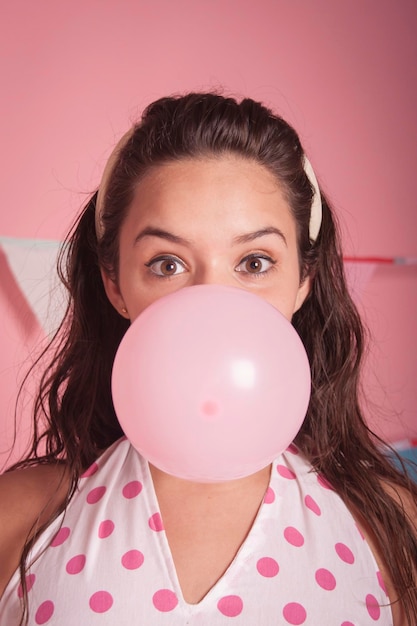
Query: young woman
x,y
205,190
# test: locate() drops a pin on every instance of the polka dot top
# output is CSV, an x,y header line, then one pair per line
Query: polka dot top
x,y
107,562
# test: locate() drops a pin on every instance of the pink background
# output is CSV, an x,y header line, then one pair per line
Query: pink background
x,y
75,74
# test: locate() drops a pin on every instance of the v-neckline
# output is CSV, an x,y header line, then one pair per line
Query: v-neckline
x,y
246,547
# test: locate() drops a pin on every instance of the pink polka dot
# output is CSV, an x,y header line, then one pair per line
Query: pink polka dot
x,y
345,553
101,601
381,582
132,489
294,613
61,536
325,579
76,564
312,505
292,448
155,522
30,580
90,471
95,495
165,600
285,472
230,606
105,529
293,536
44,612
269,496
347,624
132,559
323,482
373,607
267,567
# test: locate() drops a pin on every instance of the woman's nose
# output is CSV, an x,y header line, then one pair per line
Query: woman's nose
x,y
214,276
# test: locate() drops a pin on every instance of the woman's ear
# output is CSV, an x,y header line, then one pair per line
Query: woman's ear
x,y
303,291
113,293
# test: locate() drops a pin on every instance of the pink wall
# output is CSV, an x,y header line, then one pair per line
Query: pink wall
x,y
344,73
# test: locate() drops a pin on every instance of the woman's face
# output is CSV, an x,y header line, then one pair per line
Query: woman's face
x,y
218,221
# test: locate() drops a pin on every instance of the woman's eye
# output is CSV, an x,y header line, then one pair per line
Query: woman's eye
x,y
255,264
166,266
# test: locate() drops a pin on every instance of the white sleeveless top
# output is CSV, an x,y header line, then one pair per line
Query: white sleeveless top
x,y
107,562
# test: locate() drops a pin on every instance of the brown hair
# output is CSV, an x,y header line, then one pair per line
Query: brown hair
x,y
75,396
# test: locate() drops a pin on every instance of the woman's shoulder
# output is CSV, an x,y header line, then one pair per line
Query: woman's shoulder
x,y
408,503
29,498
405,499
33,486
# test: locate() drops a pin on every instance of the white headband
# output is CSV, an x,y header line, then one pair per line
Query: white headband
x,y
316,206
105,179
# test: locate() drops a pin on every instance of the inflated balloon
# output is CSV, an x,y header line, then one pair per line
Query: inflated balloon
x,y
211,383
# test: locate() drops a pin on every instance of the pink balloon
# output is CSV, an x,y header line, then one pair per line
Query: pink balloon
x,y
211,383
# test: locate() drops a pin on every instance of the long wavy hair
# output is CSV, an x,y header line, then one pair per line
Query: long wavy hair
x,y
74,403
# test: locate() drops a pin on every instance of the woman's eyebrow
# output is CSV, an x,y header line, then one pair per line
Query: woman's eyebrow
x,y
151,231
270,230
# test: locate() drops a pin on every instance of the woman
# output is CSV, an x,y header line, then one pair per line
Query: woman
x,y
206,190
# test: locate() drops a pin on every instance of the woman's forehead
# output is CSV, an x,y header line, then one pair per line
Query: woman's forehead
x,y
214,190
210,204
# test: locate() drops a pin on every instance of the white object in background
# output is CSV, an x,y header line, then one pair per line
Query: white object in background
x,y
358,276
359,270
33,263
